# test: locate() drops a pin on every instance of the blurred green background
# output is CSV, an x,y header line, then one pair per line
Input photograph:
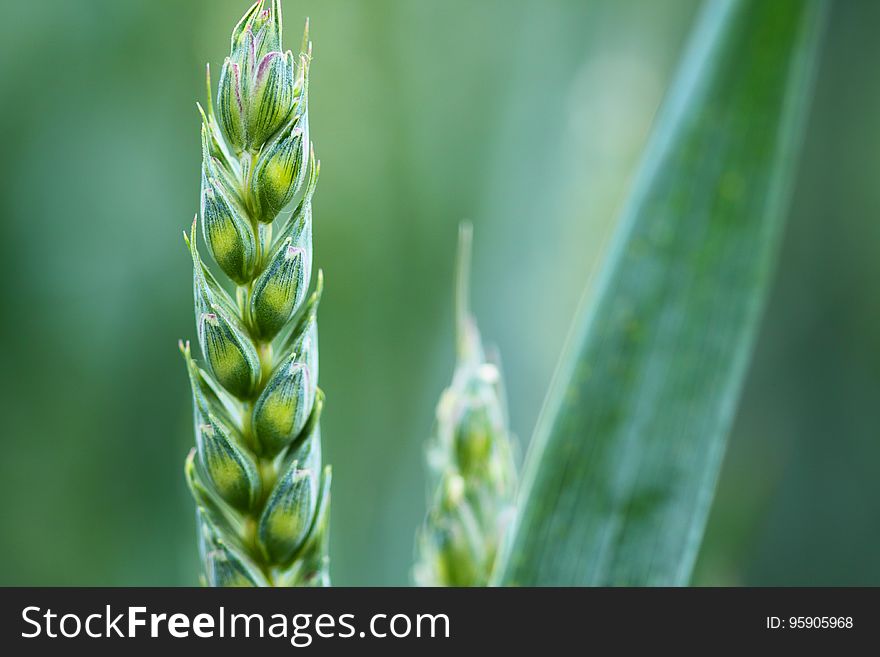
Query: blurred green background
x,y
527,118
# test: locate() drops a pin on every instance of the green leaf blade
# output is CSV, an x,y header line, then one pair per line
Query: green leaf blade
x,y
626,454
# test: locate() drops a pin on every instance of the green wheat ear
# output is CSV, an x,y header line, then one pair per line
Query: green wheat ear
x,y
470,456
262,495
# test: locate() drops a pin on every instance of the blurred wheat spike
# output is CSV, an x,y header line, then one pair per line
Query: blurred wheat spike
x,y
471,458
261,493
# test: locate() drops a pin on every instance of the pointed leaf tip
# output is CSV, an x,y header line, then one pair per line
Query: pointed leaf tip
x,y
306,45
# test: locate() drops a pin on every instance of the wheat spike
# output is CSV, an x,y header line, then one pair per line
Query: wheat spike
x,y
471,458
262,495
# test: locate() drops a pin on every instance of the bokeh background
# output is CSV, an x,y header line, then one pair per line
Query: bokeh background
x,y
527,118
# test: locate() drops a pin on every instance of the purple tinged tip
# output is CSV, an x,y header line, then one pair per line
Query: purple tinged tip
x,y
294,251
299,368
265,63
236,85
